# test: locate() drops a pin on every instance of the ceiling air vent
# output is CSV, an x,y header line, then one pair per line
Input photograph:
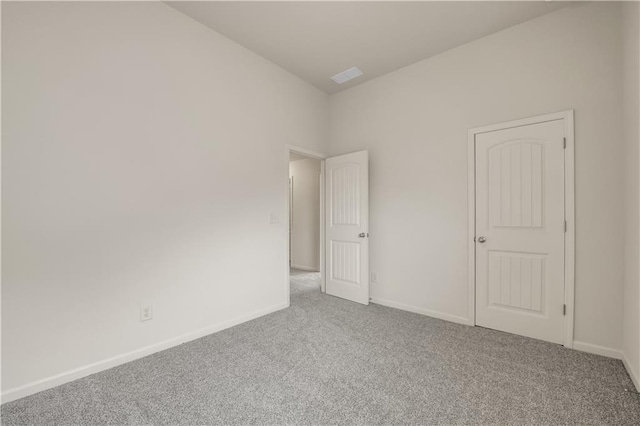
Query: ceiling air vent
x,y
344,76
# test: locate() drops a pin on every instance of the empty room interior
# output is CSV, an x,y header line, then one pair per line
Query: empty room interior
x,y
320,212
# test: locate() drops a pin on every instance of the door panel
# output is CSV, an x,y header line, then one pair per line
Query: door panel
x,y
347,226
520,214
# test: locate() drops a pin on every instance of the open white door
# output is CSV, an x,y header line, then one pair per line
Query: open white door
x,y
347,226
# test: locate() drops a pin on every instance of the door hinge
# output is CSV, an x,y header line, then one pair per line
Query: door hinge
x,y
565,226
564,143
564,309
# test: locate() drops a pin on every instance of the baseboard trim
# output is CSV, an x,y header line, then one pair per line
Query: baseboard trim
x,y
635,377
421,311
305,268
87,370
597,349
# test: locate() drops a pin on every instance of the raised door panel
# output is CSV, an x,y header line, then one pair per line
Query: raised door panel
x,y
345,195
515,184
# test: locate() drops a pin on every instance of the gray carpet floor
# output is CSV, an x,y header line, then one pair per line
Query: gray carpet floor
x,y
328,361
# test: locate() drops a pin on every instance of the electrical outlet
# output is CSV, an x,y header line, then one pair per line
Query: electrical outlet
x,y
146,312
374,277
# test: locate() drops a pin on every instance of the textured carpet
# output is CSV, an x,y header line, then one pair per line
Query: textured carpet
x,y
328,361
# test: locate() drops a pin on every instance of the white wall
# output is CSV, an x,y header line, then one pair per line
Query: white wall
x,y
414,123
631,92
305,233
142,156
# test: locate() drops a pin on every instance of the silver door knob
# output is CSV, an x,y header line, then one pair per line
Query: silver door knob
x,y
482,239
362,235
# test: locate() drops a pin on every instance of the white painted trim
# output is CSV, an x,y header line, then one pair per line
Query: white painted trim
x,y
597,349
318,156
305,268
523,122
304,152
323,280
569,208
77,373
635,377
570,235
421,311
471,225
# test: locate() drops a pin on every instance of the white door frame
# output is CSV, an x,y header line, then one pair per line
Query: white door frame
x,y
317,156
569,208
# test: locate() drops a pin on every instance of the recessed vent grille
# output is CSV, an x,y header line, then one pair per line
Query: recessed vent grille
x,y
347,75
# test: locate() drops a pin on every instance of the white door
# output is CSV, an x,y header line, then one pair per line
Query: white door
x,y
520,230
347,226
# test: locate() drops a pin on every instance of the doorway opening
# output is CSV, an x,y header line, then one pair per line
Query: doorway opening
x,y
304,224
343,223
305,227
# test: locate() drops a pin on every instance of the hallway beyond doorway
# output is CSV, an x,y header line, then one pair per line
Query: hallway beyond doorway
x,y
303,282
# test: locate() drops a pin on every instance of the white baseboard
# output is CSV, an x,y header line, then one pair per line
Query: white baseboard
x,y
577,345
305,268
597,349
635,377
78,373
422,311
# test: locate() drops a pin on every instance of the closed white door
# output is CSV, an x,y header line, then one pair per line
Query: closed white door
x,y
347,226
520,230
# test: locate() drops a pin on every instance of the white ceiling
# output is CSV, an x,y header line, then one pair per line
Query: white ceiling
x,y
315,40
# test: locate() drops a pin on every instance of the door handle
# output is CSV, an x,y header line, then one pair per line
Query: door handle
x,y
482,239
362,235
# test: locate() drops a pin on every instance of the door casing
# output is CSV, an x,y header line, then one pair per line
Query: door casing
x,y
569,208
